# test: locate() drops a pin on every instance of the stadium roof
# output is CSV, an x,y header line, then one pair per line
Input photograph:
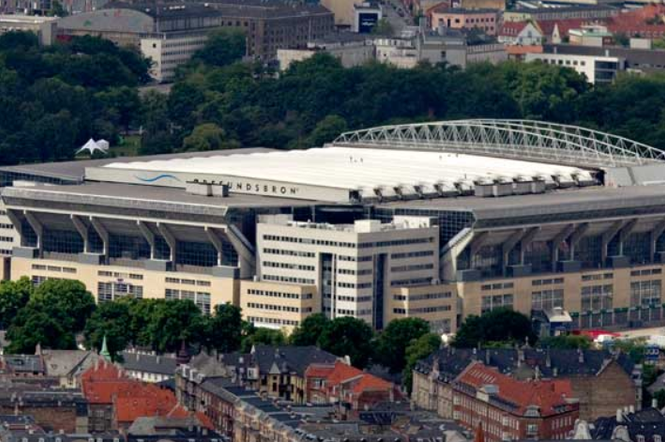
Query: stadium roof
x,y
367,171
520,139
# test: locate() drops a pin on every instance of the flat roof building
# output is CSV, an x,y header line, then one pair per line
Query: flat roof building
x,y
433,220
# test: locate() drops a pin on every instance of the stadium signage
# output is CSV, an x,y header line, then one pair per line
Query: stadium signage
x,y
254,187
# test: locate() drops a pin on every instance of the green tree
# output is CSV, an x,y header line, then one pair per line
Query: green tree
x,y
634,348
66,301
566,342
498,325
14,295
309,330
262,336
224,329
35,325
173,321
222,48
57,10
383,27
207,136
390,349
417,350
348,336
113,321
327,130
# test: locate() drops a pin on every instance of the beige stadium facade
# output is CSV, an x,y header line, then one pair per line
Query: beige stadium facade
x,y
438,221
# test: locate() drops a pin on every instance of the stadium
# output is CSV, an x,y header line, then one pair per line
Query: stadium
x,y
437,220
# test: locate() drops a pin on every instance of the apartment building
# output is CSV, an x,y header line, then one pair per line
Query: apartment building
x,y
597,69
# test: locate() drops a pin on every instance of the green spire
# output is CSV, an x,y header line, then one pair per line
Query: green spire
x,y
105,353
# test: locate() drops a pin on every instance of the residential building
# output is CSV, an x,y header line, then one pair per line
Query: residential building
x,y
521,34
54,410
481,4
276,372
351,50
351,389
600,381
647,425
538,13
169,34
485,20
61,368
596,69
590,35
116,401
509,409
148,367
274,25
645,22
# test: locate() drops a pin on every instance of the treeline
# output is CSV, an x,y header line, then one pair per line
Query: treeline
x,y
56,312
52,99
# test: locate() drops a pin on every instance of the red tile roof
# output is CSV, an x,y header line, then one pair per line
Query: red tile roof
x,y
131,399
647,22
512,28
319,371
547,395
547,26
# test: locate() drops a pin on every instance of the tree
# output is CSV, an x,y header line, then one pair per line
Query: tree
x,y
173,321
66,301
327,130
113,321
224,329
57,10
309,330
262,336
660,397
34,325
382,27
395,338
348,336
498,325
566,342
206,136
417,350
14,295
222,48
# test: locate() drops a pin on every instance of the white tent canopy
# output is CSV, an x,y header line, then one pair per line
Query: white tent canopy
x,y
92,146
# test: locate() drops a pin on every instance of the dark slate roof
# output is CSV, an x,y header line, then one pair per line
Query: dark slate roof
x,y
647,423
24,363
163,365
289,358
550,363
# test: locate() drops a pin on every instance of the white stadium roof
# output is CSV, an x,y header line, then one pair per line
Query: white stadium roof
x,y
428,159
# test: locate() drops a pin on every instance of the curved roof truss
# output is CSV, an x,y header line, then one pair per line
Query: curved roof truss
x,y
518,139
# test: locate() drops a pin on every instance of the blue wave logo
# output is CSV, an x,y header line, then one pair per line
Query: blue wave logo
x,y
157,178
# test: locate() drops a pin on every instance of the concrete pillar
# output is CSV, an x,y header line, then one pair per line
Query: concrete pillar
x,y
244,249
102,232
607,236
37,227
148,235
656,232
217,242
556,242
526,239
83,231
170,240
575,238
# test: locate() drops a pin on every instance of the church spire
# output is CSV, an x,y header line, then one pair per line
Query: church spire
x,y
104,352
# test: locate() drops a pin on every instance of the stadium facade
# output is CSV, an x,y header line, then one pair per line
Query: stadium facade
x,y
436,220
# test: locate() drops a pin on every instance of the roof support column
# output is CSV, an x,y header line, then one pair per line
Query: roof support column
x,y
575,238
37,227
655,235
477,242
507,247
608,236
103,234
148,235
214,239
527,238
83,231
556,242
244,249
170,240
625,232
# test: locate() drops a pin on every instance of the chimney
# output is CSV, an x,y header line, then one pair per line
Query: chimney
x,y
654,403
487,357
619,416
580,356
631,409
548,359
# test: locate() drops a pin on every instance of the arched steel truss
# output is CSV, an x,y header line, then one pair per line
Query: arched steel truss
x,y
518,139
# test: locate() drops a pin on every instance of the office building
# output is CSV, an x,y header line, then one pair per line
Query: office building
x,y
486,20
168,34
350,49
489,213
596,68
637,59
275,24
365,16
